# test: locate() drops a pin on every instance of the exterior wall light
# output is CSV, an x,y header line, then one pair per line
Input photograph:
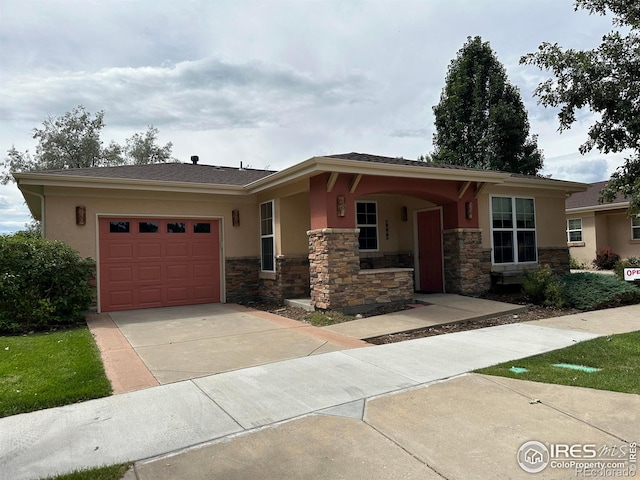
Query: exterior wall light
x,y
81,215
235,217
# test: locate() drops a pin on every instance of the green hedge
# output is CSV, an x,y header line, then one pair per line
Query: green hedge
x,y
584,291
43,284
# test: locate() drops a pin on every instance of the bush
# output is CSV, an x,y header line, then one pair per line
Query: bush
x,y
632,262
593,291
542,287
43,284
575,264
606,259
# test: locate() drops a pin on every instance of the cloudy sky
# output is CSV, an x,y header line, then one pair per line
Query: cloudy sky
x,y
273,82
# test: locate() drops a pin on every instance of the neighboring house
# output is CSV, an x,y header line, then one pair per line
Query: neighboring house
x,y
347,230
592,226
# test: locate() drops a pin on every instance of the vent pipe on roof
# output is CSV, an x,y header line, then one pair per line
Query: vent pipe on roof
x,y
194,159
240,165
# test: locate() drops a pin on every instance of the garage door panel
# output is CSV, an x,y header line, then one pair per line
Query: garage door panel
x,y
206,270
123,273
149,250
177,263
178,294
119,251
149,272
150,296
175,250
204,291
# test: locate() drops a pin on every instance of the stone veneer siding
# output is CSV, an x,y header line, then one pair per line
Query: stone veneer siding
x,y
556,257
467,264
337,283
241,278
291,279
386,260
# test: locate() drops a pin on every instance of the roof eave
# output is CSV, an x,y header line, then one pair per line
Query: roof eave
x,y
77,181
597,208
317,165
547,183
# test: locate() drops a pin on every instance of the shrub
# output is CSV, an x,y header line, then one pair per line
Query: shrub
x,y
43,284
606,259
593,291
575,264
542,287
632,262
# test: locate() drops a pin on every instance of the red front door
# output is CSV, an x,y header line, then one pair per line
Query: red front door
x,y
158,262
430,251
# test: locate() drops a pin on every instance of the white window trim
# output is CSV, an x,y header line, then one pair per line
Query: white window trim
x,y
634,228
569,230
271,235
358,225
514,230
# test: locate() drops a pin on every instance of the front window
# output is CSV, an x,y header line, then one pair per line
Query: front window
x,y
574,230
367,222
267,244
635,228
513,225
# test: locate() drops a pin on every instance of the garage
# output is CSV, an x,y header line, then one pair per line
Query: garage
x,y
158,262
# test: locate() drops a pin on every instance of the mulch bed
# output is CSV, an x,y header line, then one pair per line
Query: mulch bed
x,y
533,312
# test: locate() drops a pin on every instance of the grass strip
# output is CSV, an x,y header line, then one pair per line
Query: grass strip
x,y
617,357
113,472
47,370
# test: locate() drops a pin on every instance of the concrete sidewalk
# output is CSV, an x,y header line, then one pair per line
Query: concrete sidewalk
x,y
231,424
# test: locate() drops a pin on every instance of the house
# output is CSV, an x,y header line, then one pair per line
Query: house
x,y
348,230
592,226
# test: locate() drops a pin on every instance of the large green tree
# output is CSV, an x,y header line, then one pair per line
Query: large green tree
x,y
481,121
73,140
605,80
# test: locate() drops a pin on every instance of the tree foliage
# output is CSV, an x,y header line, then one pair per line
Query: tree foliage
x,y
604,80
73,140
481,121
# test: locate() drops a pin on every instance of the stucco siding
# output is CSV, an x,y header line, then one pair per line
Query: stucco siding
x,y
60,224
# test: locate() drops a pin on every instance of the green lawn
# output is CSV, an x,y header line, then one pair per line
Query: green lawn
x,y
114,472
618,357
49,369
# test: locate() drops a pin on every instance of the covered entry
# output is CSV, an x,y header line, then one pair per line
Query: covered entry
x,y
157,262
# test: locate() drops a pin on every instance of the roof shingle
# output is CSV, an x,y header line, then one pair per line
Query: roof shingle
x,y
591,197
171,172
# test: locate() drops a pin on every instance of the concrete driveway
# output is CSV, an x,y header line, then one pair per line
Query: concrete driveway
x,y
181,343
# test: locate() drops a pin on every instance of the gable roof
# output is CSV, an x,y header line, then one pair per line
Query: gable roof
x,y
590,199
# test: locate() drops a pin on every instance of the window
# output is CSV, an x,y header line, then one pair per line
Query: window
x,y
513,225
367,222
574,230
176,227
118,227
201,228
148,227
267,240
635,228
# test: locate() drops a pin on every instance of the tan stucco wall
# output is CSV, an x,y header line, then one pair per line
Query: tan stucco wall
x,y
60,223
292,237
584,252
549,209
401,233
605,229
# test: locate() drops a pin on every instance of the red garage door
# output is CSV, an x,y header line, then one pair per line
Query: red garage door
x,y
151,262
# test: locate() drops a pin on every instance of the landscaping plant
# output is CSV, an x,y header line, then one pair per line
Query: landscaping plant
x,y
606,259
43,284
542,287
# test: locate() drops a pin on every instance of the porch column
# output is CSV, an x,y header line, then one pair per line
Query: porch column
x,y
467,264
334,263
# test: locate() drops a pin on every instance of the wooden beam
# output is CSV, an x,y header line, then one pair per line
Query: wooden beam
x,y
354,183
463,189
479,187
332,181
